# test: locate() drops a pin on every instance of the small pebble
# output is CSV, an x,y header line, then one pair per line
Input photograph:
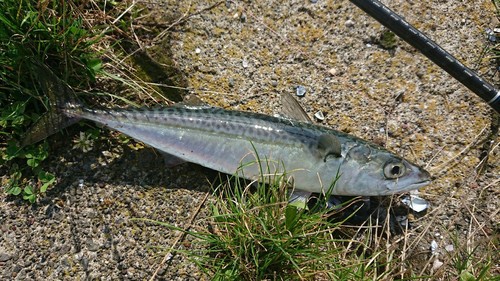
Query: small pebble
x,y
245,63
449,248
91,245
197,50
332,71
434,247
300,91
349,23
84,262
231,82
436,264
4,257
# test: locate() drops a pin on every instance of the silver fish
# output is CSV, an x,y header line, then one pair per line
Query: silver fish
x,y
227,141
251,143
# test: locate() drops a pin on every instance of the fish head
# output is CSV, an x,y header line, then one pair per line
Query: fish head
x,y
370,171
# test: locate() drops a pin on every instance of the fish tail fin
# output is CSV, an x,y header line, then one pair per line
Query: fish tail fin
x,y
62,100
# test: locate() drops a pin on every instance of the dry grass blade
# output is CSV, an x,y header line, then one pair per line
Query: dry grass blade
x,y
441,169
181,236
183,18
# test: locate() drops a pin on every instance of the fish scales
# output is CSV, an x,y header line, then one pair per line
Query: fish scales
x,y
212,137
256,126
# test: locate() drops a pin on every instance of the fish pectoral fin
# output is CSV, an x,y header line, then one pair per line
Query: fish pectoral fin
x,y
329,145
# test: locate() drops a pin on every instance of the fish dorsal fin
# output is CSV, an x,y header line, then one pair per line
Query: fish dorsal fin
x,y
291,108
329,145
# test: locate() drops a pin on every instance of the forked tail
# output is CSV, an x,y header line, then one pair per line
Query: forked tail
x,y
60,96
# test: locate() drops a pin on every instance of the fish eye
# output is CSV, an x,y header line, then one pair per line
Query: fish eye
x,y
394,170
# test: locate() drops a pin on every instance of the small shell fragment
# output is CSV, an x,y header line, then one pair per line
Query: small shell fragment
x,y
300,91
415,203
245,63
491,35
319,116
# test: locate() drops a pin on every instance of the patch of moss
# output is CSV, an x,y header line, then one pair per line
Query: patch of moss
x,y
388,40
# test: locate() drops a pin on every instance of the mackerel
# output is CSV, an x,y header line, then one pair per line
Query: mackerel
x,y
315,157
228,141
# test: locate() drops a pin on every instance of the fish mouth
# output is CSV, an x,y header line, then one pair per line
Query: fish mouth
x,y
407,188
416,185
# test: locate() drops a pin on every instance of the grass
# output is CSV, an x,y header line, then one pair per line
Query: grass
x,y
58,34
53,33
254,234
258,235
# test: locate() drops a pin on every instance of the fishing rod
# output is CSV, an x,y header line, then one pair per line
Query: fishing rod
x,y
431,50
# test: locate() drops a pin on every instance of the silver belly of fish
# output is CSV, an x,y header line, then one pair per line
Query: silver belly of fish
x,y
230,141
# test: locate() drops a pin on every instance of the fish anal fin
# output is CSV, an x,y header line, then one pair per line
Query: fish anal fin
x,y
171,160
299,198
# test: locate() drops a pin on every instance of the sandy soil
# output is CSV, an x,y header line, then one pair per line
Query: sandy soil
x,y
242,55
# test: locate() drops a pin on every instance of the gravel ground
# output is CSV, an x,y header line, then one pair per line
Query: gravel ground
x,y
241,55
